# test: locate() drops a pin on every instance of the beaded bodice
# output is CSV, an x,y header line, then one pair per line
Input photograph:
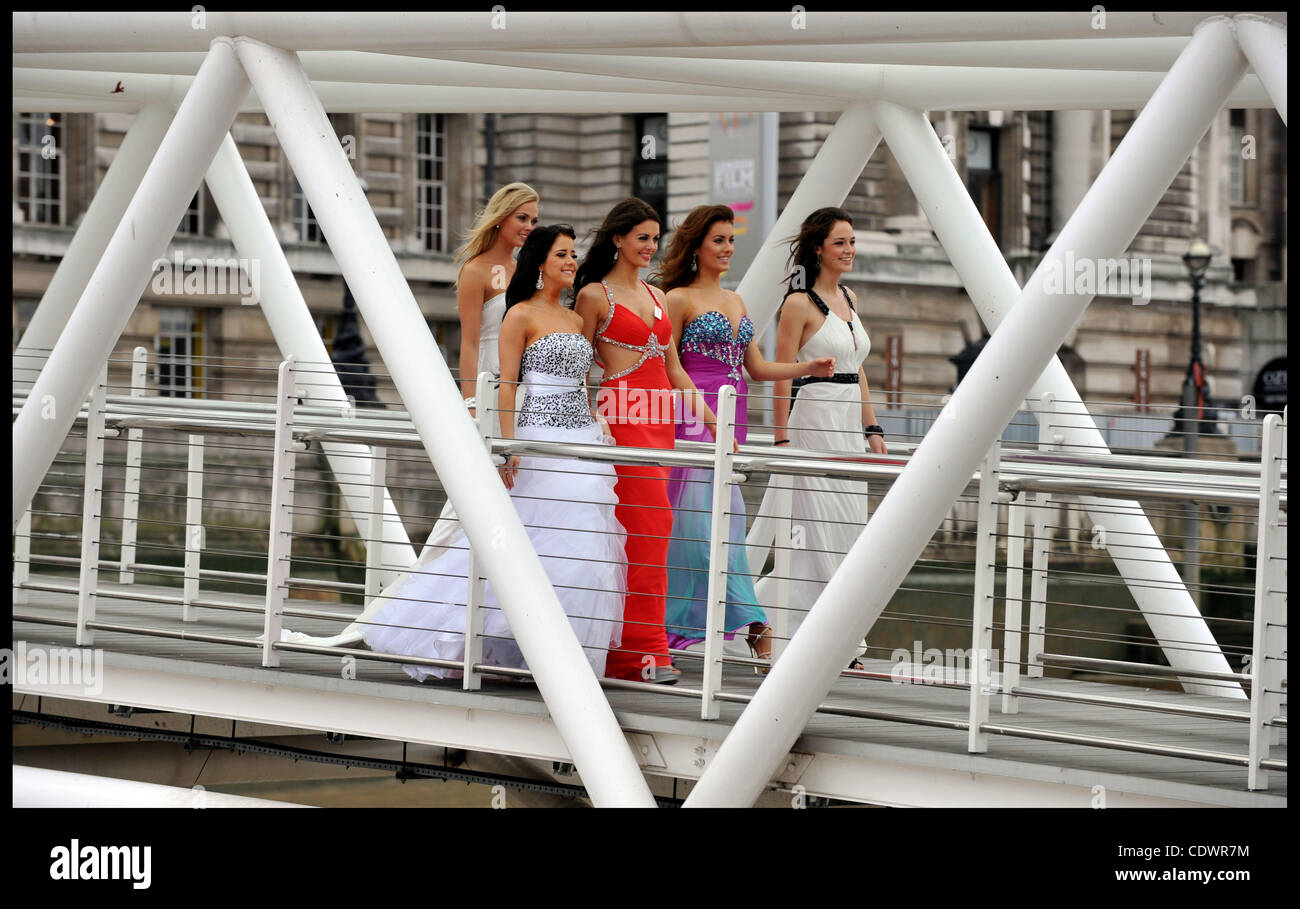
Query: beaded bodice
x,y
554,372
657,338
709,334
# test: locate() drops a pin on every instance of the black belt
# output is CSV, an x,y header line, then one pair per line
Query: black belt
x,y
840,378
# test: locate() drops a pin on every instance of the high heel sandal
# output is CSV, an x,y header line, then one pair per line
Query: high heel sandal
x,y
760,648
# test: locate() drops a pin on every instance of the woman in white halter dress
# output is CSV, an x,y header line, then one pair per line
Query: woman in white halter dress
x,y
829,414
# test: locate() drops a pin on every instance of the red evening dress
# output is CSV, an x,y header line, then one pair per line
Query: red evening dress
x,y
638,404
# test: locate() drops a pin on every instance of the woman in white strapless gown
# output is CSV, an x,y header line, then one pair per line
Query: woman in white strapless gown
x,y
832,415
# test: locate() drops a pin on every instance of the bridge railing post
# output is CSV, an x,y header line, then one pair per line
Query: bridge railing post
x,y
280,542
92,507
484,409
375,521
131,476
193,526
980,665
1012,593
1041,514
719,549
1268,645
22,557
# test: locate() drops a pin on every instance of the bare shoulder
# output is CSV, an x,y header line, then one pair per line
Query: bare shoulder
x,y
519,318
678,299
796,306
738,300
591,297
852,296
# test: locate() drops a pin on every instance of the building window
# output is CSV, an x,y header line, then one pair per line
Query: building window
x,y
1236,164
179,346
304,219
40,167
431,182
650,162
192,221
983,179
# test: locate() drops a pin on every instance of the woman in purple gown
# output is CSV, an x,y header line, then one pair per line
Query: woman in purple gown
x,y
715,338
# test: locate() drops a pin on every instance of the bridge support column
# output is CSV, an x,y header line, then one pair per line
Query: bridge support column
x,y
830,176
1139,555
541,628
1263,42
1119,202
296,335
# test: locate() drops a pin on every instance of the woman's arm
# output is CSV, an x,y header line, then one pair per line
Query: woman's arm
x,y
761,369
788,332
469,303
681,380
874,442
510,350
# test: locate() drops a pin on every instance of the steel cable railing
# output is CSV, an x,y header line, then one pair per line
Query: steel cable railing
x,y
211,466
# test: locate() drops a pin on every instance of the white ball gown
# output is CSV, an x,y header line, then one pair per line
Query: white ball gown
x,y
566,506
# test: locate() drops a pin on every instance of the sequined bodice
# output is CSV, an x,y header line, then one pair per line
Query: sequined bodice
x,y
629,327
554,370
709,334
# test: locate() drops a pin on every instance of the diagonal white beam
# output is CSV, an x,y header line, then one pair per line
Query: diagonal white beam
x,y
559,666
1263,41
123,272
1103,226
102,217
1139,555
295,334
829,179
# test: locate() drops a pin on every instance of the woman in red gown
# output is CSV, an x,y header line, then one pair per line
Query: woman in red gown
x,y
629,328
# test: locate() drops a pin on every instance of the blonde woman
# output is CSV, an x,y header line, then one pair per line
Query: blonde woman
x,y
487,260
488,264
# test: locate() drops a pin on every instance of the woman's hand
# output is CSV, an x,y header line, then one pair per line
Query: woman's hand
x,y
509,470
604,425
822,367
877,445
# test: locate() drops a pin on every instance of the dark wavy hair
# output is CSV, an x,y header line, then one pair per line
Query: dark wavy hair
x,y
600,257
532,255
803,247
675,269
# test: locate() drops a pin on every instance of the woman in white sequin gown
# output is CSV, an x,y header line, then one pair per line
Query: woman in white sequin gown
x,y
566,506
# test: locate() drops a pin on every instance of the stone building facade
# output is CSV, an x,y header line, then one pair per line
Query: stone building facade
x,y
426,174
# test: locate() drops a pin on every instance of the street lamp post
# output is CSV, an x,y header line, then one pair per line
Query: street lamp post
x,y
1197,260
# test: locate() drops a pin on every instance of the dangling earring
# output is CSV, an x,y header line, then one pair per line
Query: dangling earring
x,y
693,262
615,253
540,285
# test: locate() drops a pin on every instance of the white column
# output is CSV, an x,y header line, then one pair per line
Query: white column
x,y
559,666
1264,43
295,334
124,270
829,178
1071,162
88,243
1105,223
1138,553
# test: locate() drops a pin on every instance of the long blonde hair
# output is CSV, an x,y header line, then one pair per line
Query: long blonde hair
x,y
481,236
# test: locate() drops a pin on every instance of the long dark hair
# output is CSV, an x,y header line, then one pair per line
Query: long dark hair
x,y
600,257
803,248
675,269
532,255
